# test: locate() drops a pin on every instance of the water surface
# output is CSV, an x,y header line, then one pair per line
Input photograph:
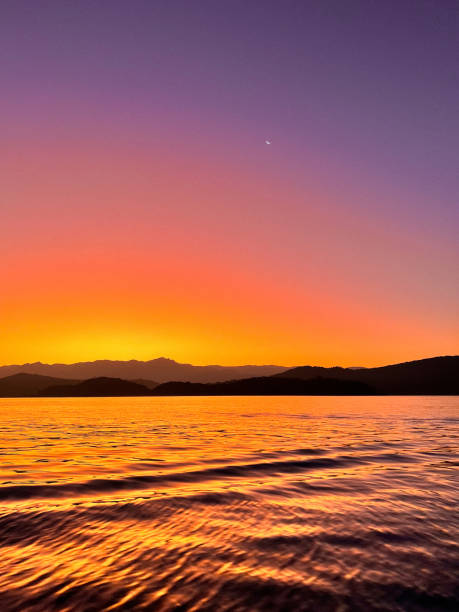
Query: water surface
x,y
229,503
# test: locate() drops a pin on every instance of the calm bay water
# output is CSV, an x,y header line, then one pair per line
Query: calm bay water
x,y
273,503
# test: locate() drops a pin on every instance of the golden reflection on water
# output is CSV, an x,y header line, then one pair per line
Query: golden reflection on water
x,y
269,503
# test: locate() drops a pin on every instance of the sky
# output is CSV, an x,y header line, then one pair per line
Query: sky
x,y
143,214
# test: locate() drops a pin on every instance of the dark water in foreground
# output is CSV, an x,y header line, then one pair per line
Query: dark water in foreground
x,y
311,503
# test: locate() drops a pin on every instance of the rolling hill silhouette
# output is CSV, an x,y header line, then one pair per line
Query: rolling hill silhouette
x,y
150,384
434,376
267,385
25,385
94,387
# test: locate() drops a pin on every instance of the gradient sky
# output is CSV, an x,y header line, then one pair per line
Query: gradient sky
x,y
142,213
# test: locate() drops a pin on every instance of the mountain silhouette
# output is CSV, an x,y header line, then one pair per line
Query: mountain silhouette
x,y
25,385
150,384
102,386
434,376
267,385
160,370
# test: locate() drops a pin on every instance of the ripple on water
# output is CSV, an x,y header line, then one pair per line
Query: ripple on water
x,y
188,504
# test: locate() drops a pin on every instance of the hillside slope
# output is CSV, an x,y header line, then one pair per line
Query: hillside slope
x,y
98,387
24,385
269,385
437,375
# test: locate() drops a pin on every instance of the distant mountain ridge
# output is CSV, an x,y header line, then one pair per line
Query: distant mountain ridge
x,y
434,376
158,370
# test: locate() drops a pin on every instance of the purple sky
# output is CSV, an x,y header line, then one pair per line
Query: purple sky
x,y
357,194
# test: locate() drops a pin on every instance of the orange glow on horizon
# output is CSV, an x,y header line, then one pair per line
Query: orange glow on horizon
x,y
103,306
118,259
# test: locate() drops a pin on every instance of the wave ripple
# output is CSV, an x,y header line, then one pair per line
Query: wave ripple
x,y
187,504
